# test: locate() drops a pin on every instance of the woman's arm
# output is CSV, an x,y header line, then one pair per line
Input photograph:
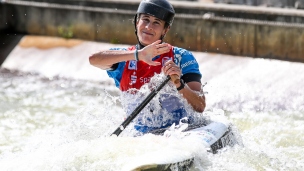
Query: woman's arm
x,y
191,91
105,59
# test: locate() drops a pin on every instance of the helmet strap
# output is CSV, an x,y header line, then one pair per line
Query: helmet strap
x,y
139,45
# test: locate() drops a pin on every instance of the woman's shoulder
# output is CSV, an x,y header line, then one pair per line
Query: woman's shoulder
x,y
181,51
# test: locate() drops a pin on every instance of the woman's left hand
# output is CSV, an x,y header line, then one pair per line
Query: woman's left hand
x,y
170,68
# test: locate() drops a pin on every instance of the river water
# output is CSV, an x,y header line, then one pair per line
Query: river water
x,y
57,112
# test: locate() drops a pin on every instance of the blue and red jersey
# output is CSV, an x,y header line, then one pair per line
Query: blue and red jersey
x,y
135,72
138,73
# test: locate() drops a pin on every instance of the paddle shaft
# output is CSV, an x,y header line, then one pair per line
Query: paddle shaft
x,y
141,106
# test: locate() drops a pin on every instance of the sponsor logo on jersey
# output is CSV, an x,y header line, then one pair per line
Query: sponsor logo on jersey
x,y
132,65
192,62
165,59
145,80
133,79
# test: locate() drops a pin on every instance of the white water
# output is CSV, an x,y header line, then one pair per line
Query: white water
x,y
63,123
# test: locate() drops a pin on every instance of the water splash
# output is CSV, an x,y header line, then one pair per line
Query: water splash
x,y
70,120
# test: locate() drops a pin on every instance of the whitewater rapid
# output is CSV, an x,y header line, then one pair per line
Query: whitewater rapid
x,y
57,112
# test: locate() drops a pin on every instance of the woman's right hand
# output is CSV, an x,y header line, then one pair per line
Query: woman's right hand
x,y
149,52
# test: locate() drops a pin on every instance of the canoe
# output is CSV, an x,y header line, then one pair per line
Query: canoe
x,y
217,136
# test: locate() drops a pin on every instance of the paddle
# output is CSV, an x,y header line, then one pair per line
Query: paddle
x,y
126,122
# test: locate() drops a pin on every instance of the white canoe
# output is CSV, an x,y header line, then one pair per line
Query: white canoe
x,y
216,135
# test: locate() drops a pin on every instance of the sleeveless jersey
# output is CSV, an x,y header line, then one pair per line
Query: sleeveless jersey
x,y
137,73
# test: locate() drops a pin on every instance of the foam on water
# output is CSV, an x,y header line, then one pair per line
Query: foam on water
x,y
158,116
105,153
272,141
67,126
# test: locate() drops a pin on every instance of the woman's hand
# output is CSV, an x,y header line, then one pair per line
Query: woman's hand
x,y
149,52
170,68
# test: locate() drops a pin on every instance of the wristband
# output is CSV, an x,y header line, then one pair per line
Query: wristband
x,y
136,55
182,85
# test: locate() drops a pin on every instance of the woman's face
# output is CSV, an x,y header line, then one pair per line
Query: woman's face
x,y
150,29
